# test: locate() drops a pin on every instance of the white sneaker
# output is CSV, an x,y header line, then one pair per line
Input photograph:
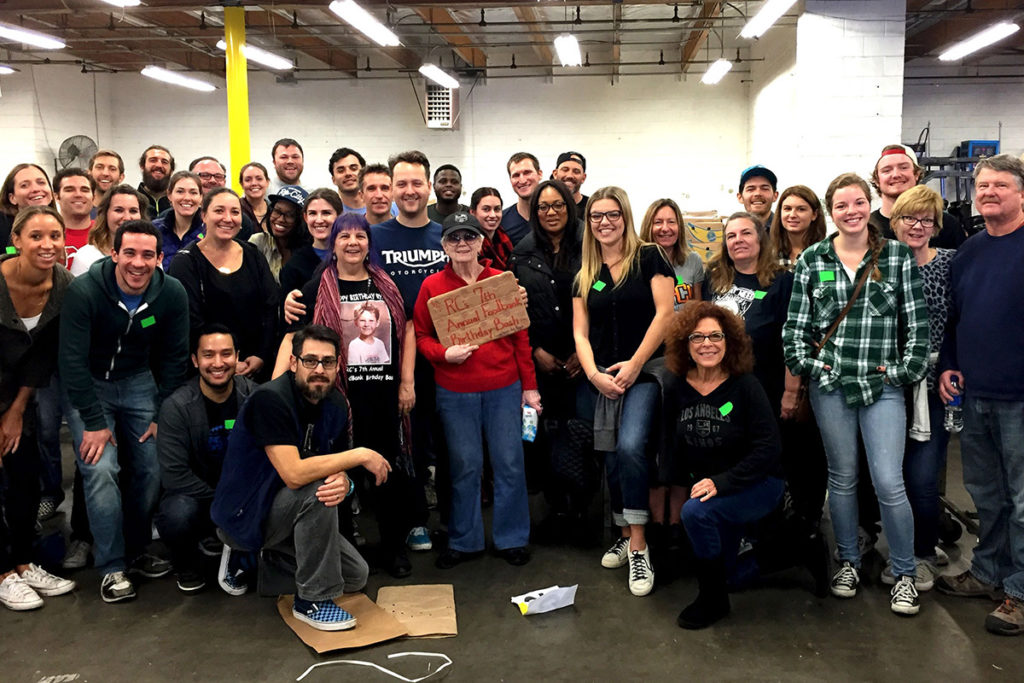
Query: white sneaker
x,y
617,555
924,579
17,595
77,555
45,583
641,573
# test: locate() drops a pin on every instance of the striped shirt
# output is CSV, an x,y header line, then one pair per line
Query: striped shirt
x,y
887,326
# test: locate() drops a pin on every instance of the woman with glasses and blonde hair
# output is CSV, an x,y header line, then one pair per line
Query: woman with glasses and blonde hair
x,y
621,305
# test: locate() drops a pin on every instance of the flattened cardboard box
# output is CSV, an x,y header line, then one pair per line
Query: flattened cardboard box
x,y
373,625
481,312
426,611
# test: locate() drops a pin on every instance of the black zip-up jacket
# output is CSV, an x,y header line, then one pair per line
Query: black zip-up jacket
x,y
101,340
550,320
28,359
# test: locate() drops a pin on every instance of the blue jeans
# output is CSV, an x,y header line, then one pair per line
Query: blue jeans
x,y
923,462
992,447
49,407
128,405
627,466
883,426
183,521
715,525
497,415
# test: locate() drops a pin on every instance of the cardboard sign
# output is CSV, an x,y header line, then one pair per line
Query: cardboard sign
x,y
480,312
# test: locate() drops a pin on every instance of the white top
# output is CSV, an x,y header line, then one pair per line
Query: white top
x,y
85,257
31,322
363,353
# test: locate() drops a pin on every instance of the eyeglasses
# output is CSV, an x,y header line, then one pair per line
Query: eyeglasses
x,y
597,216
464,236
925,222
698,338
286,213
558,207
310,362
219,177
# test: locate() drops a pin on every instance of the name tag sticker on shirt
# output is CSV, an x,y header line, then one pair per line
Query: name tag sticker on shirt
x,y
12,250
758,294
229,424
148,322
827,276
679,280
200,236
726,409
599,285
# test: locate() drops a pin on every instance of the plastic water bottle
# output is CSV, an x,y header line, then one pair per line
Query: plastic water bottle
x,y
954,422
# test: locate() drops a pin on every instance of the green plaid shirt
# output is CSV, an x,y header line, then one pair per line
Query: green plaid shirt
x,y
887,326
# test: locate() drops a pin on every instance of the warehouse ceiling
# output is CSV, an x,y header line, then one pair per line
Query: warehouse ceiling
x,y
472,38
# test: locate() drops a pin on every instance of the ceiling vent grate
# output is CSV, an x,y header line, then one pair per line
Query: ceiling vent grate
x,y
442,106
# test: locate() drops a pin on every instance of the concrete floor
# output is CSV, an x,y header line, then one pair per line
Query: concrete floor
x,y
776,632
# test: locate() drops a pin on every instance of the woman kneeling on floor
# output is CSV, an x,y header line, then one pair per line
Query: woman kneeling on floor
x,y
727,446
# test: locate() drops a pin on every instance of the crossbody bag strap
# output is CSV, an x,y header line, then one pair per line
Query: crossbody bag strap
x,y
846,309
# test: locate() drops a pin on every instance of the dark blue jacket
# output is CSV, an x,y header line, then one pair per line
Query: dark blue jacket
x,y
248,480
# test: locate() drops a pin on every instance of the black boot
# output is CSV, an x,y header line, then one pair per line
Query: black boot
x,y
712,601
657,541
814,557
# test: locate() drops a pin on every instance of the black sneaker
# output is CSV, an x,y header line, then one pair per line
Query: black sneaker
x,y
211,547
190,581
150,566
117,587
516,557
451,558
399,566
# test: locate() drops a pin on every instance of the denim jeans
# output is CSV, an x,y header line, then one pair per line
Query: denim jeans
x,y
992,448
50,406
183,521
129,406
301,527
627,467
923,462
883,426
716,525
497,415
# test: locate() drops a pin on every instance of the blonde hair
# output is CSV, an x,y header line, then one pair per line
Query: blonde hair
x,y
722,270
592,261
682,249
919,199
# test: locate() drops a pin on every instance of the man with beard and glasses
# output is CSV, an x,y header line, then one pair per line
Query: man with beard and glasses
x,y
285,473
157,165
195,422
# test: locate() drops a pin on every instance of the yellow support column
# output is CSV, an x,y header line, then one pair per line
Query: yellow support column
x,y
238,92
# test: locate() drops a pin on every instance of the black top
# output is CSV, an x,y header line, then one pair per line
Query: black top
x,y
6,223
951,236
270,423
620,315
221,420
729,436
764,311
549,290
299,268
514,225
245,301
581,207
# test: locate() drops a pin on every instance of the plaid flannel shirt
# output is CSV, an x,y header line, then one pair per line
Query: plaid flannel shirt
x,y
887,326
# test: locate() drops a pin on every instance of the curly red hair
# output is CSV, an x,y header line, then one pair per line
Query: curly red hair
x,y
739,353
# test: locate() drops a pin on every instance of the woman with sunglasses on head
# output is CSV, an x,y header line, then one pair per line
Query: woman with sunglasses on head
x,y
858,329
282,232
183,224
346,291
621,306
481,389
229,282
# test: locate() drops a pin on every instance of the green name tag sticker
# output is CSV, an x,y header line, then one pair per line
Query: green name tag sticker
x,y
229,424
201,236
827,276
679,280
147,322
12,250
726,409
758,294
599,285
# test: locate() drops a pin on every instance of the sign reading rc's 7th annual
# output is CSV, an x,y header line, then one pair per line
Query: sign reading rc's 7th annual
x,y
477,313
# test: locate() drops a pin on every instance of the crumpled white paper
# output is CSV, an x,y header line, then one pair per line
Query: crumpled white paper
x,y
545,599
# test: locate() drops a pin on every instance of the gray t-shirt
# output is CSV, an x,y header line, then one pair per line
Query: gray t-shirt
x,y
689,277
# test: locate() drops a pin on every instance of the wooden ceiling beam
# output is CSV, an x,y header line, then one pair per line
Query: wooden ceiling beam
x,y
456,36
534,23
305,42
700,27
954,27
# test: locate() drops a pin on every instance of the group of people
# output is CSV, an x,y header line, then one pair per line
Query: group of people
x,y
247,362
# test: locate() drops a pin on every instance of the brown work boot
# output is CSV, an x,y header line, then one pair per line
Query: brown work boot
x,y
1007,619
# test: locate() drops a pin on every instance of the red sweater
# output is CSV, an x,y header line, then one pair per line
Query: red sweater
x,y
495,365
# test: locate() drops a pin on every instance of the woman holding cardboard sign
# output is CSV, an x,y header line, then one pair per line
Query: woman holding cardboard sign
x,y
621,306
480,388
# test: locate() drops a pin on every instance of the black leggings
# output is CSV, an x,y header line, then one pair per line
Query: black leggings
x,y
20,493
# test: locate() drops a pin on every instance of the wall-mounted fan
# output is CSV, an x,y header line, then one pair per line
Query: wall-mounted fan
x,y
75,151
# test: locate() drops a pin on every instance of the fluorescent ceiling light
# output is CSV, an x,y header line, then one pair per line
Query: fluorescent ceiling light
x,y
716,72
175,78
365,23
6,69
990,35
438,76
763,20
260,56
123,3
40,40
568,49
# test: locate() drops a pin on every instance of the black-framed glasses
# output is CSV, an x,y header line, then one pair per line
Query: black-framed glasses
x,y
310,362
286,213
925,222
698,338
557,207
219,177
462,236
597,216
